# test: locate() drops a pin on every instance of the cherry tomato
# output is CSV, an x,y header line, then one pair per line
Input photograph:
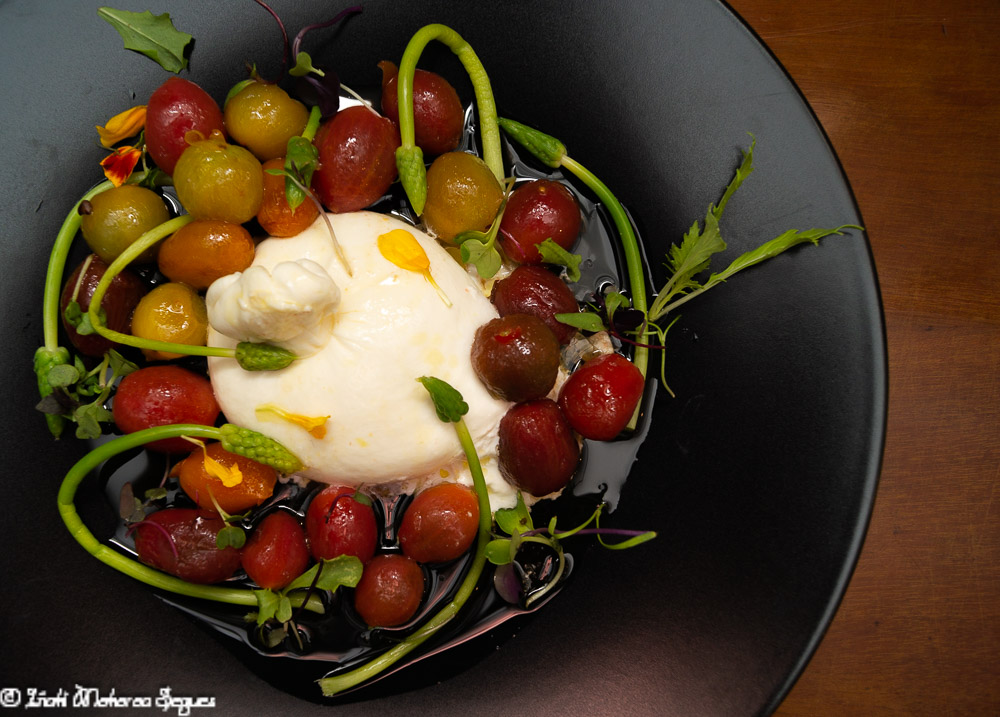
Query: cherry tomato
x,y
462,195
440,524
276,217
276,551
256,486
118,303
537,291
600,397
538,452
262,117
161,395
438,116
204,250
339,524
120,215
390,590
192,534
357,159
171,312
218,180
516,357
175,108
537,211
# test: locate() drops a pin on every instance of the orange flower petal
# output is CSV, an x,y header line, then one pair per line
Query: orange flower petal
x,y
119,164
122,126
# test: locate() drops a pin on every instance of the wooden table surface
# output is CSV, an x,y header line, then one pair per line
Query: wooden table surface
x,y
909,94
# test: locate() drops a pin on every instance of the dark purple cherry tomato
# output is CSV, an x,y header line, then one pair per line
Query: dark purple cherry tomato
x,y
161,395
390,590
338,524
118,303
537,211
175,108
516,357
357,159
438,116
191,533
538,451
276,552
440,524
600,397
537,291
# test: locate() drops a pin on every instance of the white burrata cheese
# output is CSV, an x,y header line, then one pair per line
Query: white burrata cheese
x,y
389,327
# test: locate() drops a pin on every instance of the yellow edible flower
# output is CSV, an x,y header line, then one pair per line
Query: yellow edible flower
x,y
123,125
315,425
402,249
230,476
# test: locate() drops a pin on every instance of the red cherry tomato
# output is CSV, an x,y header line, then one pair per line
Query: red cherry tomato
x,y
357,159
537,211
191,533
276,552
175,108
338,524
390,591
120,300
440,524
537,291
438,116
161,395
538,451
600,397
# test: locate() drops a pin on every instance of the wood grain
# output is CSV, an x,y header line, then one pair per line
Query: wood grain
x,y
909,94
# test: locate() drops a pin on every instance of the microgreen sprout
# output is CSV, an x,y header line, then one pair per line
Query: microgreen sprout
x,y
479,248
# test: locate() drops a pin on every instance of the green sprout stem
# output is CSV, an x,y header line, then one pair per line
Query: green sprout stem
x,y
126,565
339,683
408,157
132,252
57,265
553,153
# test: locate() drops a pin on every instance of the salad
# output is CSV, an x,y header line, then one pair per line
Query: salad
x,y
279,507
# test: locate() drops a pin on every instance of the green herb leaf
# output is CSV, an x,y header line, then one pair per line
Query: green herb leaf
x,y
343,570
267,605
484,257
583,320
157,493
776,246
230,536
88,420
552,253
151,35
73,314
498,551
63,375
304,65
516,520
448,402
120,366
301,161
283,613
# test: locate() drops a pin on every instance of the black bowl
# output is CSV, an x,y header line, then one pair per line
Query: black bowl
x,y
759,476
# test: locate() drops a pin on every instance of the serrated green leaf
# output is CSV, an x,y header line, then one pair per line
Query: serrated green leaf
x,y
151,35
552,253
448,402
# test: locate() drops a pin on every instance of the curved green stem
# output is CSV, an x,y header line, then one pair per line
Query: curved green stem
x,y
339,683
409,158
132,252
57,265
126,565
